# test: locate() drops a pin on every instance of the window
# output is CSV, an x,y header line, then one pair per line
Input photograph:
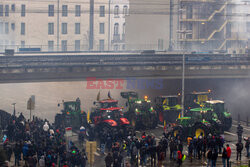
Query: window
x,y
189,12
50,45
51,28
116,47
13,26
116,11
22,44
102,11
1,44
13,8
51,10
22,28
101,44
101,31
189,27
6,28
6,10
248,27
123,28
77,45
116,29
64,45
64,28
23,10
78,10
64,10
1,27
1,10
77,28
125,10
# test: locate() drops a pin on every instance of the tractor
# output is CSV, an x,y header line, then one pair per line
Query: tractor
x,y
71,115
196,122
168,108
107,116
140,112
218,108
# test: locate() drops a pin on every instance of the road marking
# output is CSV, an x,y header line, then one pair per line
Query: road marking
x,y
161,126
137,131
234,145
157,139
152,134
229,133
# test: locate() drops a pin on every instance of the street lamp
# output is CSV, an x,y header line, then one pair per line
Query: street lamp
x,y
183,72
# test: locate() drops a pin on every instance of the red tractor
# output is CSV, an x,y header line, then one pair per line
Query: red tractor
x,y
107,116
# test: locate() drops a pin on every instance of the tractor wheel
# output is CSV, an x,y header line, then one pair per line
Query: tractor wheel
x,y
199,129
178,131
227,123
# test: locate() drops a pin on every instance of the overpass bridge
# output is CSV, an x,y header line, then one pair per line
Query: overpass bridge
x,y
78,66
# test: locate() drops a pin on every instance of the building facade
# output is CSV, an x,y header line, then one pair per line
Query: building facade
x,y
214,25
56,25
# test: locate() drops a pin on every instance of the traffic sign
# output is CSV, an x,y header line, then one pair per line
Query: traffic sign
x,y
31,103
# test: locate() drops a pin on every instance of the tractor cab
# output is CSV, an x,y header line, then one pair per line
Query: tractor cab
x,y
196,99
218,107
168,108
71,107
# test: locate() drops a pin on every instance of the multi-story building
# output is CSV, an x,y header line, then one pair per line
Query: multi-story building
x,y
213,25
56,25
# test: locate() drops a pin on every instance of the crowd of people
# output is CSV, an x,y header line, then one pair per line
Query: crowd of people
x,y
38,143
144,150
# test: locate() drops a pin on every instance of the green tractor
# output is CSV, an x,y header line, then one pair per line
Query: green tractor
x,y
196,122
168,108
140,112
71,115
218,108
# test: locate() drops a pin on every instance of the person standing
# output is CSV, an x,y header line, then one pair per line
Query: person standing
x,y
214,157
229,151
108,160
239,148
224,156
209,157
179,158
247,146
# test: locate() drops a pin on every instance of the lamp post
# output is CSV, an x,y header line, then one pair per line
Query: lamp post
x,y
183,71
183,85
